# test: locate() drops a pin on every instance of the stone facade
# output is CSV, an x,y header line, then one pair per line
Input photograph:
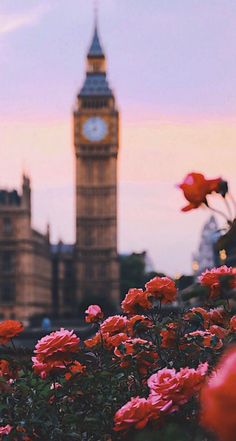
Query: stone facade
x,y
25,258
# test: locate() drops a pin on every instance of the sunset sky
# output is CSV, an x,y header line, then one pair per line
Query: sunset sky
x,y
172,66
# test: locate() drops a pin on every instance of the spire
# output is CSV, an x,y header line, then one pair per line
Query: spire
x,y
95,83
95,49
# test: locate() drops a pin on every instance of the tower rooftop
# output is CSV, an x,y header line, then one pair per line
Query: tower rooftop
x,y
95,49
95,84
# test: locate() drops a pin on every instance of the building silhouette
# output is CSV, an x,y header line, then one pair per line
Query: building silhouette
x,y
38,278
207,257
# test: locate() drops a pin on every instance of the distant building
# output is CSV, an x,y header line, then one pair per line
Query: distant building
x,y
37,278
206,257
25,258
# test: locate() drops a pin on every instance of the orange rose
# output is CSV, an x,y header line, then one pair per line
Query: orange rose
x,y
9,329
137,323
162,288
114,325
195,188
94,341
111,341
75,368
6,371
135,300
218,399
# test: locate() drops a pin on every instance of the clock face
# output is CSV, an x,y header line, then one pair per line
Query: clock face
x,y
95,128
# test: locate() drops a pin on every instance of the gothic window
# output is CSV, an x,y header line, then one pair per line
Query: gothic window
x,y
7,292
89,271
88,237
7,225
7,261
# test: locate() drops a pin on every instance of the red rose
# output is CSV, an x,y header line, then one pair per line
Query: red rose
x,y
134,414
114,325
212,279
162,288
135,300
54,350
9,329
93,314
195,188
218,399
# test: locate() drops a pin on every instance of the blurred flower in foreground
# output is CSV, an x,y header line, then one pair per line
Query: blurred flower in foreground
x,y
195,188
218,399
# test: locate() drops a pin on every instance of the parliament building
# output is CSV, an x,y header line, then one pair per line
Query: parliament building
x,y
38,278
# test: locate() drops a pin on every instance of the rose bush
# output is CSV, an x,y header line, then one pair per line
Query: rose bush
x,y
139,375
149,373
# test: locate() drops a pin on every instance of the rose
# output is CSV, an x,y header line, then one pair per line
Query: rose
x,y
54,350
177,387
137,324
75,369
162,288
9,329
195,188
135,414
206,339
114,325
93,314
198,313
218,399
168,336
7,371
135,300
212,279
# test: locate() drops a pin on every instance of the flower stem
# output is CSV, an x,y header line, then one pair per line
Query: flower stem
x,y
220,213
228,208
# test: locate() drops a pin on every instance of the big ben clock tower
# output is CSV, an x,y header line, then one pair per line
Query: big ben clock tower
x,y
96,140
